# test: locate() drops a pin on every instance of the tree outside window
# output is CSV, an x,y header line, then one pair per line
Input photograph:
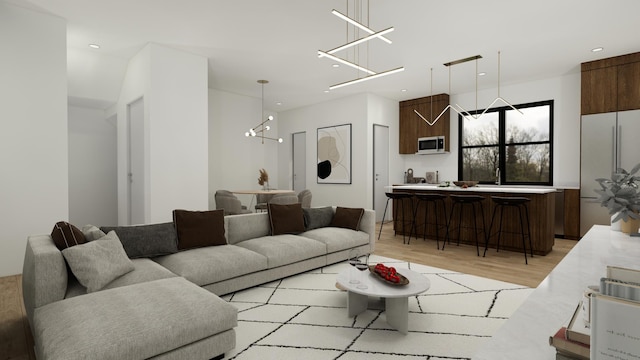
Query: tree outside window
x,y
520,145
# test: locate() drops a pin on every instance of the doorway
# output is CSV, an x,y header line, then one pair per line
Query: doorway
x,y
299,147
135,171
380,168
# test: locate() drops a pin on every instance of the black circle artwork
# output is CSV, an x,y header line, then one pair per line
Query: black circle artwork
x,y
324,169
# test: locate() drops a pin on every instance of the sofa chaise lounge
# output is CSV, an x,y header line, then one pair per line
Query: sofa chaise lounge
x,y
168,307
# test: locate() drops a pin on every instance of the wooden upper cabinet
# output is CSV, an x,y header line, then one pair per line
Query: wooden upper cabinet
x,y
599,91
629,86
408,130
610,85
413,127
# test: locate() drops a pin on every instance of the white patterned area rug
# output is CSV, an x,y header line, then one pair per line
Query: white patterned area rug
x,y
305,317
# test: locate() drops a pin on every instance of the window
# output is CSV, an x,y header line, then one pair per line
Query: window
x,y
521,146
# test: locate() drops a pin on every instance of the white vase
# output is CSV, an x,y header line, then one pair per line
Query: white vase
x,y
615,226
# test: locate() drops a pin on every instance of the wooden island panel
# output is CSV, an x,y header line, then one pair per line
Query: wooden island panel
x,y
541,215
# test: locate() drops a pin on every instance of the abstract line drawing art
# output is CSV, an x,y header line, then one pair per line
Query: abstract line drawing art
x,y
334,154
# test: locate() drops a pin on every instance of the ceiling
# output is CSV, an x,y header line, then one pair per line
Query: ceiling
x,y
278,40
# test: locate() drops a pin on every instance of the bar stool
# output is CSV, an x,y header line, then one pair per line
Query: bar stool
x,y
434,199
514,202
461,201
398,197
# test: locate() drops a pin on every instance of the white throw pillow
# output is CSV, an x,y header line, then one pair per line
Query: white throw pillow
x,y
99,262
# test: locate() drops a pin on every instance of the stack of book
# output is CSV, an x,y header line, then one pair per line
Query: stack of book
x,y
615,315
573,341
604,325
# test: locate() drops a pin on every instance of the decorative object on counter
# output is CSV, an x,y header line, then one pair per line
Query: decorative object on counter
x,y
444,184
334,154
409,178
620,196
259,129
465,184
263,180
431,177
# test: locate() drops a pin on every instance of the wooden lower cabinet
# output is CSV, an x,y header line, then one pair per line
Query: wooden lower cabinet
x,y
541,215
572,214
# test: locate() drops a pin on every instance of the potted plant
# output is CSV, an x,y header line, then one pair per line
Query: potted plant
x,y
621,197
264,179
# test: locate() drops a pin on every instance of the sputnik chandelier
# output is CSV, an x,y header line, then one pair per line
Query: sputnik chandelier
x,y
259,130
330,54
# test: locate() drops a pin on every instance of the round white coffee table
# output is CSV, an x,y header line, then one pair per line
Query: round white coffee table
x,y
396,297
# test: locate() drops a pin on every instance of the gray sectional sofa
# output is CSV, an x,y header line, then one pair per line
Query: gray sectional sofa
x,y
168,307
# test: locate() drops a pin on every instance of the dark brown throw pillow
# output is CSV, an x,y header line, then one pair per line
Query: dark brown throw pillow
x,y
347,218
66,235
286,219
199,228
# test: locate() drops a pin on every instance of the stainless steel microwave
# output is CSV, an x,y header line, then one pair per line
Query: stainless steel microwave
x,y
431,145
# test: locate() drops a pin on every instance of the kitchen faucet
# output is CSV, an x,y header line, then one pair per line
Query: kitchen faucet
x,y
497,176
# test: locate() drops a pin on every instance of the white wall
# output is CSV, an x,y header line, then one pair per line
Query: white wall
x,y
92,168
235,160
347,110
178,132
33,140
174,87
382,111
564,90
136,85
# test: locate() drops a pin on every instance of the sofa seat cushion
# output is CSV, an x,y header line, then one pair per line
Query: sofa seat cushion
x,y
208,265
285,249
144,270
130,322
338,239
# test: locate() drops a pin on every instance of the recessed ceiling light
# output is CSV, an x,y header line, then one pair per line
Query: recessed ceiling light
x,y
598,49
278,103
326,91
404,90
94,46
336,65
482,73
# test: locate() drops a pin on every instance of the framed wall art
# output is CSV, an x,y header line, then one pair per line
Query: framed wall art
x,y
334,154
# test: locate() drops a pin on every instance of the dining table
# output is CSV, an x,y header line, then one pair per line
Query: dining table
x,y
256,192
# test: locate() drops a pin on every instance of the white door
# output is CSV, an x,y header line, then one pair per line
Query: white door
x,y
299,161
380,170
135,119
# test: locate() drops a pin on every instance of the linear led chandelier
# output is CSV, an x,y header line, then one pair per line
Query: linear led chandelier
x,y
259,130
372,35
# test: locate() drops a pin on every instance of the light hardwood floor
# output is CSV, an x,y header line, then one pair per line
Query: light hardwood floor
x,y
16,341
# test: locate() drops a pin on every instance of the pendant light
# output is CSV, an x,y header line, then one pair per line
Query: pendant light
x,y
330,54
498,98
259,130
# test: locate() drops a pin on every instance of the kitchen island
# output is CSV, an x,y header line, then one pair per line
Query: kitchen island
x,y
541,215
525,336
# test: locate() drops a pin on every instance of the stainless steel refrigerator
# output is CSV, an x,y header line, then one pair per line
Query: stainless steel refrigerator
x,y
607,141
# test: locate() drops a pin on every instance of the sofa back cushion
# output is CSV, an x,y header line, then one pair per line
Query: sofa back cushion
x,y
286,219
319,217
65,235
348,218
247,226
199,228
140,241
97,263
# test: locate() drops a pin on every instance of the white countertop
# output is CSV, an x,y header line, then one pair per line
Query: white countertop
x,y
526,334
514,189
